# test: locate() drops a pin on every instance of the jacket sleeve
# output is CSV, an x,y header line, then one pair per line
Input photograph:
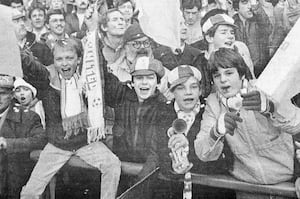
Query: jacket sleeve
x,y
206,147
36,137
33,70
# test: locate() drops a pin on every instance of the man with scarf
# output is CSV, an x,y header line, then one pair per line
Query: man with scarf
x,y
66,123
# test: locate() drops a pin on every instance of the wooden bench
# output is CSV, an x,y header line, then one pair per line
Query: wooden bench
x,y
286,189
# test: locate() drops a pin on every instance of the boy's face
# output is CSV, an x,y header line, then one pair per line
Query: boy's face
x,y
38,19
24,95
65,62
144,86
224,37
245,9
5,99
228,81
187,94
57,24
191,15
116,24
126,9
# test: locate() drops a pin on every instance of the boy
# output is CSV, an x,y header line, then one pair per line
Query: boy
x,y
219,31
246,119
66,121
25,94
184,83
20,133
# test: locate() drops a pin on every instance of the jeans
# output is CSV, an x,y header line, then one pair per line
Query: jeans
x,y
52,159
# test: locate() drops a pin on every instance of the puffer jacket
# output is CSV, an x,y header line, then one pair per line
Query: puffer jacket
x,y
263,150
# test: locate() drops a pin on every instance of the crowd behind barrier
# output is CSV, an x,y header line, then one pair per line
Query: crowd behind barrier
x,y
156,121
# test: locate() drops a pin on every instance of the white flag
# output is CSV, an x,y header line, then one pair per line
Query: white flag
x,y
10,61
160,20
281,78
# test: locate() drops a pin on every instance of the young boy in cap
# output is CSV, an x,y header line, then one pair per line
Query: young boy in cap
x,y
184,83
25,94
219,31
66,122
258,136
20,133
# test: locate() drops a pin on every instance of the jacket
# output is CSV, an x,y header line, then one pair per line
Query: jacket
x,y
261,145
255,34
166,117
39,49
189,56
23,132
134,123
72,26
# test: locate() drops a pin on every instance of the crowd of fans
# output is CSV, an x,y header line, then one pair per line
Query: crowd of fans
x,y
189,109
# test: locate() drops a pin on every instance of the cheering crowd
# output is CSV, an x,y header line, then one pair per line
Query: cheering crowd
x,y
189,109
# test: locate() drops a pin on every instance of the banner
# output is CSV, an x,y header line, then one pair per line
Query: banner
x,y
160,20
10,60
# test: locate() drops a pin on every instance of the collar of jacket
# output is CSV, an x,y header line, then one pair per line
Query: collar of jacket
x,y
14,116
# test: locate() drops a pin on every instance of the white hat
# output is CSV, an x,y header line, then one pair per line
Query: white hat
x,y
218,19
21,82
181,73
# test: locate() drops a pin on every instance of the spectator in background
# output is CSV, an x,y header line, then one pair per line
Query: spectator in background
x,y
55,21
26,40
126,8
191,14
254,29
18,4
75,24
218,29
56,5
37,16
186,55
21,132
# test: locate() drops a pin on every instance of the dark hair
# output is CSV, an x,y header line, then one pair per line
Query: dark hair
x,y
17,1
37,6
157,78
121,2
211,32
190,4
54,12
228,58
71,44
105,18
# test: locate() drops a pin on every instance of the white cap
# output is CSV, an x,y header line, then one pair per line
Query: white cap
x,y
21,82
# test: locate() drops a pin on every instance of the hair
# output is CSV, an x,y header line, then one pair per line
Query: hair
x,y
157,78
71,44
105,19
121,2
190,4
37,6
235,4
53,12
17,1
228,58
211,32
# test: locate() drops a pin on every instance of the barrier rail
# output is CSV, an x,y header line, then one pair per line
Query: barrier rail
x,y
285,189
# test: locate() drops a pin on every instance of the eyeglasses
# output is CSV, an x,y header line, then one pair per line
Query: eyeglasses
x,y
138,44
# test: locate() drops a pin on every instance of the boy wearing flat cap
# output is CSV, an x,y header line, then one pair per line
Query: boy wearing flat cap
x,y
20,132
184,83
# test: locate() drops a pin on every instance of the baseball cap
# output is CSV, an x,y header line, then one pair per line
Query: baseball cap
x,y
148,66
20,82
218,19
6,82
182,73
16,14
133,32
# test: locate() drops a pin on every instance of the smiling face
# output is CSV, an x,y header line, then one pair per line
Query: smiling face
x,y
228,81
57,24
24,95
187,94
65,61
37,19
144,86
223,37
115,25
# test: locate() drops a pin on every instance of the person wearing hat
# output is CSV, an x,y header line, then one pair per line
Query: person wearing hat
x,y
184,83
135,111
219,31
25,94
27,40
20,132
